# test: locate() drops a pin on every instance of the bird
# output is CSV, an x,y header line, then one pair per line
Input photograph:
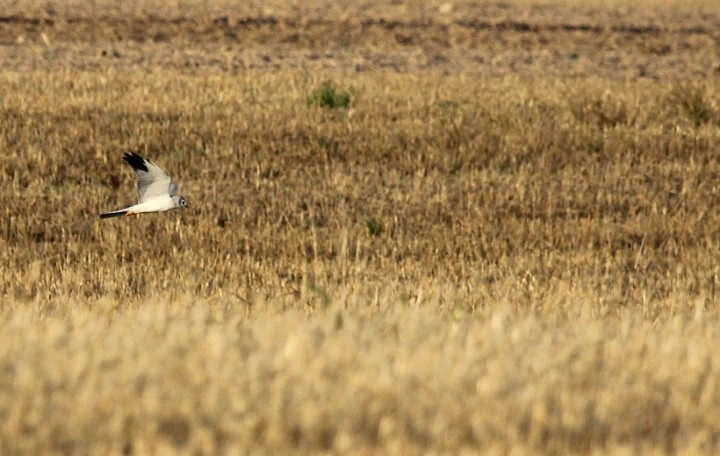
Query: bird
x,y
156,190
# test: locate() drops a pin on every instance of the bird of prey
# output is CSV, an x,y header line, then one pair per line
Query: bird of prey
x,y
156,190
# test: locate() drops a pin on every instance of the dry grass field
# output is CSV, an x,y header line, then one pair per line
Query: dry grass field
x,y
414,228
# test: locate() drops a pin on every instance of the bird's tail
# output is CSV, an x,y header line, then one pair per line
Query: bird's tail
x,y
113,214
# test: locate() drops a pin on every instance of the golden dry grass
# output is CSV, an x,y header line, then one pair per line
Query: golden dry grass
x,y
507,243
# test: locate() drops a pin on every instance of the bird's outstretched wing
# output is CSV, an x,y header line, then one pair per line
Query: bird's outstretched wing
x,y
152,180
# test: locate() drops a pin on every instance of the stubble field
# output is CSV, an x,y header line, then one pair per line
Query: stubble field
x,y
507,241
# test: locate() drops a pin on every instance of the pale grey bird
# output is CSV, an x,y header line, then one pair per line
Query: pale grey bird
x,y
156,190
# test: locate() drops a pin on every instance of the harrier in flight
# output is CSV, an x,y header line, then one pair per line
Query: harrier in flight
x,y
156,190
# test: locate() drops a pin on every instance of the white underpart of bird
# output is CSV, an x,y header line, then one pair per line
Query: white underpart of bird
x,y
156,190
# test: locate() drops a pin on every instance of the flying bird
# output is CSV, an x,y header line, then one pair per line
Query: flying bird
x,y
156,190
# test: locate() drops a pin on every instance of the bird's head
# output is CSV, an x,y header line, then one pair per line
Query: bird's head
x,y
180,201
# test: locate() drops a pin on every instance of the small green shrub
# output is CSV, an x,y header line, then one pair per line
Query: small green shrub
x,y
327,96
692,102
374,225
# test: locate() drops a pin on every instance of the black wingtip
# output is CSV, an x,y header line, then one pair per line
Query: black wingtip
x,y
136,161
112,214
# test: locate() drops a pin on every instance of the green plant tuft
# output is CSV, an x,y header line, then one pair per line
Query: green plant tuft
x,y
692,102
327,96
374,225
